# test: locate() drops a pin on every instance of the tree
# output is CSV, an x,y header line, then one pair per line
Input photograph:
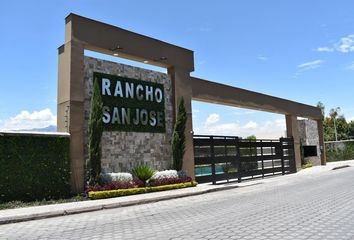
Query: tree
x,y
335,126
95,129
179,137
322,107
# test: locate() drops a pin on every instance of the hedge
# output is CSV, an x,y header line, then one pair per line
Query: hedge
x,y
132,191
34,167
339,151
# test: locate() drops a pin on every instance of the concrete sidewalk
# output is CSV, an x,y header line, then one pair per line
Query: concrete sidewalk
x,y
38,212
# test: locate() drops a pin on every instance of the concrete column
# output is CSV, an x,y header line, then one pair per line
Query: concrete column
x,y
321,141
182,88
71,108
293,131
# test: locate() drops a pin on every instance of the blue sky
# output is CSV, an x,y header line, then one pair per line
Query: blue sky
x,y
299,50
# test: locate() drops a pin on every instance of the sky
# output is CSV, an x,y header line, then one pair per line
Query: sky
x,y
299,50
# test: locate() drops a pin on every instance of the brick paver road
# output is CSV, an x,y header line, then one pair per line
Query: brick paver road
x,y
299,207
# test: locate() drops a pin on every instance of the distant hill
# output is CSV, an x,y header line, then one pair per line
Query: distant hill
x,y
50,128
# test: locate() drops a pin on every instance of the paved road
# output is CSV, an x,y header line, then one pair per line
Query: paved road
x,y
298,207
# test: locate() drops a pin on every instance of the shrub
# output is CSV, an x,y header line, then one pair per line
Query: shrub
x,y
126,192
95,128
34,167
178,137
167,181
116,177
307,165
165,174
182,174
116,185
143,172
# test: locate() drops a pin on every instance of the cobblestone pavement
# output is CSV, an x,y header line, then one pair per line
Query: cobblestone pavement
x,y
300,207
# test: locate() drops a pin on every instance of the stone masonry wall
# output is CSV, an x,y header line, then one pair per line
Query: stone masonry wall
x,y
309,136
123,150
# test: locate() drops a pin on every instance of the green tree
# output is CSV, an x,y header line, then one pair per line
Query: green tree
x,y
95,128
179,137
322,107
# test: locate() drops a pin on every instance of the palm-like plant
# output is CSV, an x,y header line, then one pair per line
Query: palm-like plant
x,y
143,173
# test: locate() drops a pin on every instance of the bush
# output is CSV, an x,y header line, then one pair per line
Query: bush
x,y
116,177
165,174
167,181
179,137
143,172
116,185
307,165
34,167
95,129
126,192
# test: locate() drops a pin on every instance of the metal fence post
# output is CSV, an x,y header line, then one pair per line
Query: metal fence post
x,y
238,158
213,159
282,156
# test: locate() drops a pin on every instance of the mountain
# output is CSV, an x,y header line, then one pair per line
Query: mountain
x,y
50,128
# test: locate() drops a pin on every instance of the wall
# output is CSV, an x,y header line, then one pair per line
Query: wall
x,y
309,137
123,150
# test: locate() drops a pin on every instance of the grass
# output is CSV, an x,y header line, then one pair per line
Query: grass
x,y
20,204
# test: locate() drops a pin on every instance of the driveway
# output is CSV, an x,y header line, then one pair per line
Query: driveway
x,y
298,206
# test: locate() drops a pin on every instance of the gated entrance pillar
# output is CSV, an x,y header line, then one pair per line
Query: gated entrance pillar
x,y
321,141
292,131
182,88
71,106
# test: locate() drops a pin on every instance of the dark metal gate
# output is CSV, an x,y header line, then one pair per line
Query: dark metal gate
x,y
220,158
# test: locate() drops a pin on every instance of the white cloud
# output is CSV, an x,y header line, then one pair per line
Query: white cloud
x,y
212,119
325,49
26,120
350,119
238,113
268,129
262,58
351,66
310,65
344,45
250,125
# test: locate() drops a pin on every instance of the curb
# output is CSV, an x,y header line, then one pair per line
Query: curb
x,y
340,167
58,213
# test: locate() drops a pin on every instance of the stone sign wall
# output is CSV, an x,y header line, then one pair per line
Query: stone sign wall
x,y
309,136
123,150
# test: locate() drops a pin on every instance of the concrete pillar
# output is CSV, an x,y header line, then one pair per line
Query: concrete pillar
x,y
321,141
70,115
182,88
292,131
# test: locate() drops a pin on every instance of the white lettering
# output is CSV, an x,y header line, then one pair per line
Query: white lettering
x,y
148,93
143,117
152,118
129,90
139,90
106,118
158,95
125,116
115,116
106,83
118,90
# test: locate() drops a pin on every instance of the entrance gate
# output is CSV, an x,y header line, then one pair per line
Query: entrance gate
x,y
220,158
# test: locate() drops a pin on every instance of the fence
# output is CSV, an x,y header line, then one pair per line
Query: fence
x,y
219,158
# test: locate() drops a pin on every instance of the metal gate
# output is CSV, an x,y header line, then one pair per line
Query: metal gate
x,y
220,158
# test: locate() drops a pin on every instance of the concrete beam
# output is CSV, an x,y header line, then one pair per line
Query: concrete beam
x,y
213,92
103,38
